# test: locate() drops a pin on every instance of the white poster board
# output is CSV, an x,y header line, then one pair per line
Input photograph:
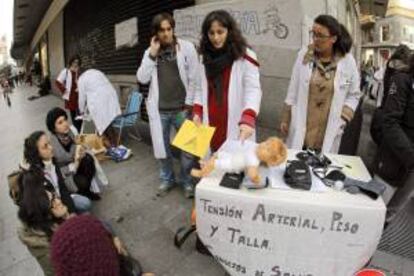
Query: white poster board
x,y
273,232
126,33
275,23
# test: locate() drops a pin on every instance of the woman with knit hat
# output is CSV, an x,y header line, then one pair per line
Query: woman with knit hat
x,y
77,166
42,213
86,236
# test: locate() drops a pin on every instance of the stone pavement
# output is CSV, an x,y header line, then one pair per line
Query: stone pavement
x,y
148,224
145,222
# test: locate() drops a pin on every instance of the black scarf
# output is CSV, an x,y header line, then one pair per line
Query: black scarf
x,y
65,140
167,54
214,62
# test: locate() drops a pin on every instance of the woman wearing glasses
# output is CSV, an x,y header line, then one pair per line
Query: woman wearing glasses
x,y
324,89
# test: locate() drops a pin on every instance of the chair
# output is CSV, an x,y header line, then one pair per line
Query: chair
x,y
130,115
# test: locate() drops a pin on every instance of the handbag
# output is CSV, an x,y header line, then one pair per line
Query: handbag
x,y
297,175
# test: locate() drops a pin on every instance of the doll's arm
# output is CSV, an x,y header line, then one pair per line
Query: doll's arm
x,y
253,174
206,168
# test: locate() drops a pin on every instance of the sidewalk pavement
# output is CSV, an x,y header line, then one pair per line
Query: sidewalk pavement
x,y
143,221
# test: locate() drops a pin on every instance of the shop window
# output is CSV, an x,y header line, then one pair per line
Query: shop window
x,y
385,32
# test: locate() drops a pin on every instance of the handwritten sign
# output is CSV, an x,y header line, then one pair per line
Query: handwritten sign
x,y
274,232
126,33
262,22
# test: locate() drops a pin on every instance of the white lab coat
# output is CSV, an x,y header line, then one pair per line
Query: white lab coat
x,y
99,97
346,93
65,78
187,61
244,93
378,88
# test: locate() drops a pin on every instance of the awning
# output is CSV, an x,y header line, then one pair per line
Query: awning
x,y
27,16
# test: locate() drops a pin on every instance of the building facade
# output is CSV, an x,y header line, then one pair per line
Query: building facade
x,y
112,35
381,35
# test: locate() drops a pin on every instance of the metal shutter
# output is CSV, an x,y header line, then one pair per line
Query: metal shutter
x,y
89,31
89,27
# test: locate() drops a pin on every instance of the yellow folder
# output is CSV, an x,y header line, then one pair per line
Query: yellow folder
x,y
193,139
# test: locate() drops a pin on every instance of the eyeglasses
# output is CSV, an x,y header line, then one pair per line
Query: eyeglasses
x,y
315,35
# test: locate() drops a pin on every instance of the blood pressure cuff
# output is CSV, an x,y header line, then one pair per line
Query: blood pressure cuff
x,y
373,188
297,175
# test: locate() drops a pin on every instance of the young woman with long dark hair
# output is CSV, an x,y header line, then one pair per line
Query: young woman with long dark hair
x,y
38,155
229,94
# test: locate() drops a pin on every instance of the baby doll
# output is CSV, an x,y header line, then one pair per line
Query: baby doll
x,y
246,156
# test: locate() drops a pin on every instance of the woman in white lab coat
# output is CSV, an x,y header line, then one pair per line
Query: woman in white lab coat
x,y
67,83
324,89
229,94
99,97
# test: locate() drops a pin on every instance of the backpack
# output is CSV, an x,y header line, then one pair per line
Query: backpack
x,y
14,179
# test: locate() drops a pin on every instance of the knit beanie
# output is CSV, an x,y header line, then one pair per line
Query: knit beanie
x,y
81,247
52,116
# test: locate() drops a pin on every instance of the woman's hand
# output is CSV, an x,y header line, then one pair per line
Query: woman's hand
x,y
80,153
120,248
284,128
154,46
245,132
197,120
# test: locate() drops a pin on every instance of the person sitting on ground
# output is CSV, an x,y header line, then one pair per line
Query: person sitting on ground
x,y
101,255
79,168
38,159
41,213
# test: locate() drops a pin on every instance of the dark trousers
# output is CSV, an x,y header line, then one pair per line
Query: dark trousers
x,y
402,196
84,175
76,123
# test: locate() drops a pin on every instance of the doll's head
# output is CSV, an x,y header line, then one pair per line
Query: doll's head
x,y
272,152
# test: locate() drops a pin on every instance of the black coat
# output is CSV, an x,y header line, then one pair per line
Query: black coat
x,y
396,153
64,192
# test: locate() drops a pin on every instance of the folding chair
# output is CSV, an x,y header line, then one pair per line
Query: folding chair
x,y
130,115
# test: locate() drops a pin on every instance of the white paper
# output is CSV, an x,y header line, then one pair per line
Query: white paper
x,y
126,33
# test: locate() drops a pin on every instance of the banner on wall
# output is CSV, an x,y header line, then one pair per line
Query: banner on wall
x,y
274,23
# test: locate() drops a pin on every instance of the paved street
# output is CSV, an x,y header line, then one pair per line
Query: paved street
x,y
147,223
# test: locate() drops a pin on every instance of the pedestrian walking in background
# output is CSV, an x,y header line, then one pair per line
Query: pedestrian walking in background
x,y
397,63
7,90
396,153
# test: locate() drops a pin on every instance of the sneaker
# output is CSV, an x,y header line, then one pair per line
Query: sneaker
x,y
189,192
164,189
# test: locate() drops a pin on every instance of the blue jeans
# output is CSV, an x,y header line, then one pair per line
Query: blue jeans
x,y
82,203
174,119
